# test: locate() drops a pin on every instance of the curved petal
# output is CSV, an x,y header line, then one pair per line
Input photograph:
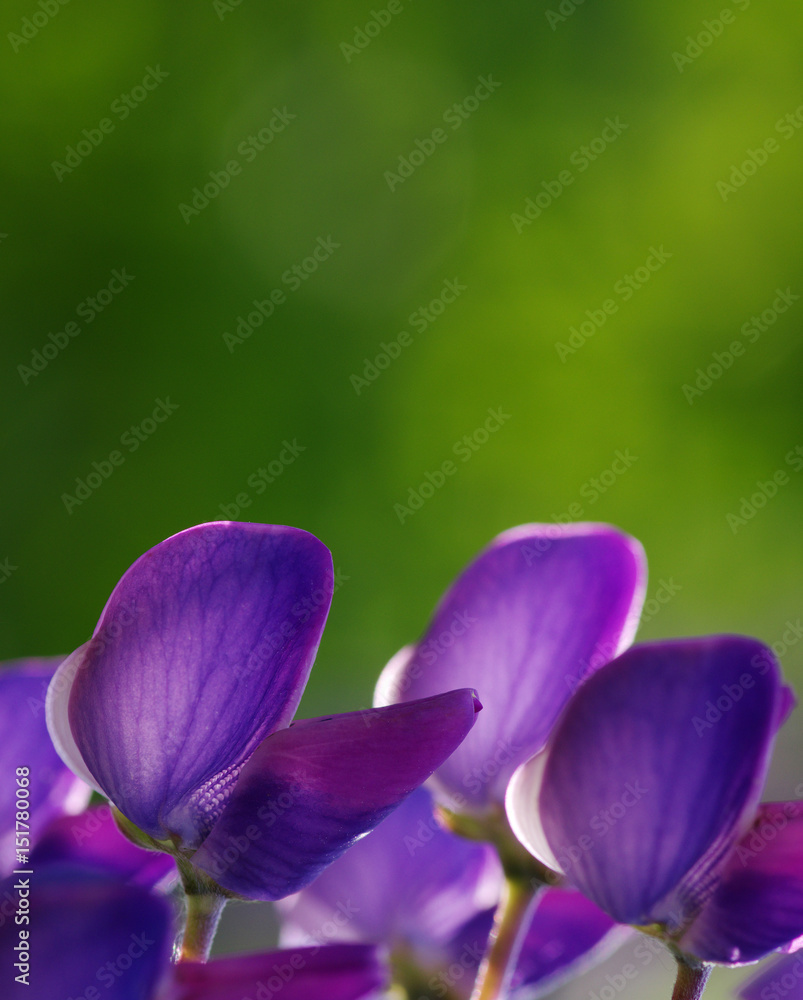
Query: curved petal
x,y
535,613
567,934
93,840
87,930
652,768
781,980
311,790
758,905
523,790
337,972
409,883
219,615
50,788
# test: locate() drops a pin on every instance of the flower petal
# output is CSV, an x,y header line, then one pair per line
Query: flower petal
x,y
87,930
93,840
781,980
311,790
758,906
409,883
652,768
336,972
567,934
219,615
536,612
24,742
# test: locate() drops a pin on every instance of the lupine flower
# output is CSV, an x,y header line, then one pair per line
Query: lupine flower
x,y
47,788
430,897
647,798
92,935
178,711
539,610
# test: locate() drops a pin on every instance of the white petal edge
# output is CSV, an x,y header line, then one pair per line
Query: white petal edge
x,y
521,805
390,687
58,722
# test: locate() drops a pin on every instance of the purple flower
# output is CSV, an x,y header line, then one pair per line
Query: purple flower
x,y
178,708
539,610
92,934
29,762
430,897
647,798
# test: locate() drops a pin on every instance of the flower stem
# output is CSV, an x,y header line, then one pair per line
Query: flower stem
x,y
203,913
510,924
691,980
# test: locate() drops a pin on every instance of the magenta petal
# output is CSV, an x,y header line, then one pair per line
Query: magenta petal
x,y
534,614
311,790
336,972
758,906
221,616
93,840
24,743
652,768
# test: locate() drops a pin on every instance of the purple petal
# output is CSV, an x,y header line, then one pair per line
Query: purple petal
x,y
536,612
86,931
654,764
566,935
311,790
409,883
24,742
758,906
93,840
781,980
221,616
337,972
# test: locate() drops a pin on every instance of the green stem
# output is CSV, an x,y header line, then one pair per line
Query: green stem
x,y
510,924
203,913
691,980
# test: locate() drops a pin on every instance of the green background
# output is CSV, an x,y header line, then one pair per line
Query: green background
x,y
356,112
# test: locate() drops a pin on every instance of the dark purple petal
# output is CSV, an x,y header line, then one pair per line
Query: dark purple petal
x,y
652,768
93,840
311,790
758,906
566,935
534,614
87,932
409,883
24,742
202,651
336,972
781,980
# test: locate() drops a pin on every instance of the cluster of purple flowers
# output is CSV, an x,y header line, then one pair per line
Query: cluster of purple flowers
x,y
577,786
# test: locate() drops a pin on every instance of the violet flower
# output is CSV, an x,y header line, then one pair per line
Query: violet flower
x,y
92,935
178,711
647,799
47,788
539,610
430,896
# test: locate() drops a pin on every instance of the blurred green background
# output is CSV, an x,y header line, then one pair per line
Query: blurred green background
x,y
301,121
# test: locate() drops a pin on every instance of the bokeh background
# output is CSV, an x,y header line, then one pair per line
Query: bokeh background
x,y
594,165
